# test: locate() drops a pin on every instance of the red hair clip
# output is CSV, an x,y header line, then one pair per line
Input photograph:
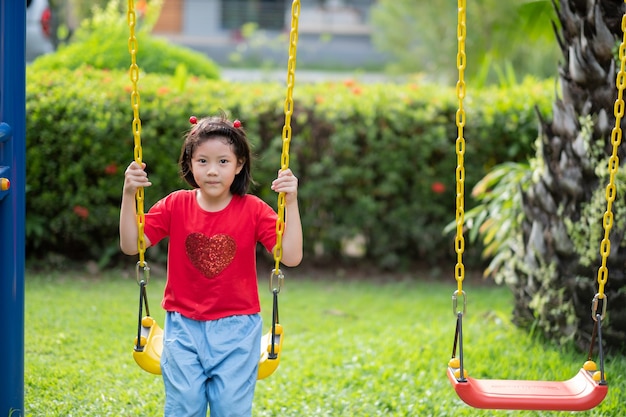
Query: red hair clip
x,y
193,120
236,124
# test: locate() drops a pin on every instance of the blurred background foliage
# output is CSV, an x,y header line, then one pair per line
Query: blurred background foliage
x,y
507,40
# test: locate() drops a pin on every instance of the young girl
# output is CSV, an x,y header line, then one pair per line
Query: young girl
x,y
212,329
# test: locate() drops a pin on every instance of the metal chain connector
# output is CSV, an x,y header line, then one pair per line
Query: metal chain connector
x,y
276,280
599,302
455,302
145,277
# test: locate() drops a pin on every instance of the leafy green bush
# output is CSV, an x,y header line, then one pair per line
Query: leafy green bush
x,y
102,42
376,163
498,215
109,51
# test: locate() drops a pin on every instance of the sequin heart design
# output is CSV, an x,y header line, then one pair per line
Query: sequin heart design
x,y
210,255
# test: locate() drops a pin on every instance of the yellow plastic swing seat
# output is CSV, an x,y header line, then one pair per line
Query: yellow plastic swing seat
x,y
268,365
149,358
582,392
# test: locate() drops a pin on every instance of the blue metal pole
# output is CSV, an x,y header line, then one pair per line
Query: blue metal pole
x,y
12,204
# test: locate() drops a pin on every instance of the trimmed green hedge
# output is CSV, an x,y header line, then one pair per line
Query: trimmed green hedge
x,y
102,50
374,161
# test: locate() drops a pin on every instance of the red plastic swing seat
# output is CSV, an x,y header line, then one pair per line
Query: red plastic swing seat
x,y
580,393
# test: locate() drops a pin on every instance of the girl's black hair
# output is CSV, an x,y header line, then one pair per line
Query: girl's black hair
x,y
218,127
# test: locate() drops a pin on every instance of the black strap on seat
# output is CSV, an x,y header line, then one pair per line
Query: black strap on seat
x,y
143,301
458,341
272,353
597,333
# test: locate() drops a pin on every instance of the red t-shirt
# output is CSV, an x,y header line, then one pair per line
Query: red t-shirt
x,y
211,271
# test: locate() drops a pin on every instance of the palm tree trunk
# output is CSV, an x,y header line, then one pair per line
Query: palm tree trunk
x,y
556,280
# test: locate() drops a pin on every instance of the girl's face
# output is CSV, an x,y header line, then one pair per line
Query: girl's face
x,y
214,166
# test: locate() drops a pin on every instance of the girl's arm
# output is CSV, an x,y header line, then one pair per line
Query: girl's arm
x,y
134,177
292,235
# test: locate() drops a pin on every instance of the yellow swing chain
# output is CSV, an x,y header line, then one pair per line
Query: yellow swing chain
x,y
136,128
286,137
459,240
616,140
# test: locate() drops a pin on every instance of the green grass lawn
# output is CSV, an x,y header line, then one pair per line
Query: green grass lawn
x,y
352,348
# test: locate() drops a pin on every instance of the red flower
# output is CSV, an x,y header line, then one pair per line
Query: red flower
x,y
82,212
438,187
142,7
110,169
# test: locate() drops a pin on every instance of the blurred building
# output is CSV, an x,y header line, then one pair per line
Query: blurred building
x,y
331,32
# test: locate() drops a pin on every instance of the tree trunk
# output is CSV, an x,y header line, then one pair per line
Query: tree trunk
x,y
555,283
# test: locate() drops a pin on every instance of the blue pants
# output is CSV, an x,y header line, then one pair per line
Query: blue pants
x,y
210,364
